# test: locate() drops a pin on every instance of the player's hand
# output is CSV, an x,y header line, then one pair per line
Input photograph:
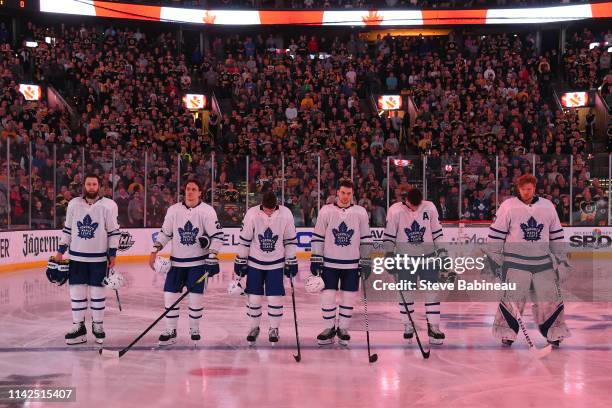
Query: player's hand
x,y
291,268
316,265
111,262
152,257
365,268
211,265
58,257
240,267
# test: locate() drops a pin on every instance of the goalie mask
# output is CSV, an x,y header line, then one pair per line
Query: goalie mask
x,y
114,280
57,272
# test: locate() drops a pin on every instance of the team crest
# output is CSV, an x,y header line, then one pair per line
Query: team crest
x,y
267,241
532,230
188,234
343,235
87,228
415,233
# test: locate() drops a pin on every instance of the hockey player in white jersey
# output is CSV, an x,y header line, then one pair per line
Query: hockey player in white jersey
x,y
525,241
341,246
91,237
196,237
413,228
266,252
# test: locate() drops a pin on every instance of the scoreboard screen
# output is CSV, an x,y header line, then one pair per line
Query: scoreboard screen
x,y
19,4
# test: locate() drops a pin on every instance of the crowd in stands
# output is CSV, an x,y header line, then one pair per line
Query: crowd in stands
x,y
300,107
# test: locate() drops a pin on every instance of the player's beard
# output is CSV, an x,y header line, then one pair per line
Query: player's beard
x,y
527,201
92,195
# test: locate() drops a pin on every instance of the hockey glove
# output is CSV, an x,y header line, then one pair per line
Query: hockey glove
x,y
365,268
291,267
211,265
240,267
316,265
204,242
57,272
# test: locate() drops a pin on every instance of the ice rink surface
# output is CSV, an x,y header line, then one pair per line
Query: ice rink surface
x,y
470,370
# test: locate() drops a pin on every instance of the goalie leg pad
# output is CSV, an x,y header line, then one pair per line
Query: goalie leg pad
x,y
506,324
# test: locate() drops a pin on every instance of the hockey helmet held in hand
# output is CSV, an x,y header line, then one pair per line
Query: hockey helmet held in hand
x,y
57,272
314,284
235,288
114,280
162,265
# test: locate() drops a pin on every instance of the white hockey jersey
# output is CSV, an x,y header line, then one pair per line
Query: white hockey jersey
x,y
266,241
342,236
184,226
412,232
91,231
523,235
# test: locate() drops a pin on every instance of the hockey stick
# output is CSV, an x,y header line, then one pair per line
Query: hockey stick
x,y
118,354
539,353
297,357
118,301
424,353
372,358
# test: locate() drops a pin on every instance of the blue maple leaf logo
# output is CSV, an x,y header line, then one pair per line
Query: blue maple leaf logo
x,y
532,230
267,241
87,228
188,234
415,233
343,235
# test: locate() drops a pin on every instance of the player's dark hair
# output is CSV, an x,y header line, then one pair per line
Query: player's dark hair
x,y
344,182
414,196
194,181
92,175
269,200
